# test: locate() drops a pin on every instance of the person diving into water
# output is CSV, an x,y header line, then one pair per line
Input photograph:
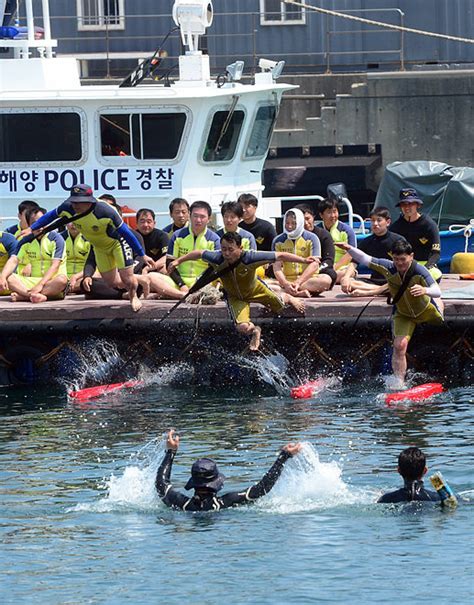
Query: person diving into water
x,y
206,480
238,269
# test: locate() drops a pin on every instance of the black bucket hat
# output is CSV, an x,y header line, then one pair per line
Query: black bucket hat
x,y
82,193
409,195
204,473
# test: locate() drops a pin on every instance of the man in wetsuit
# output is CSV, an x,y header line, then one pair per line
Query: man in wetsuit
x,y
419,230
412,467
8,259
23,207
45,259
339,231
293,278
263,231
326,277
179,212
413,290
232,214
113,242
379,245
238,270
207,481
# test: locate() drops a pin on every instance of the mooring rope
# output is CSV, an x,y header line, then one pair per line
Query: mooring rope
x,y
400,28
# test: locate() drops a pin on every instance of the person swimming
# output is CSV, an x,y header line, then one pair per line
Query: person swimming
x,y
412,467
206,480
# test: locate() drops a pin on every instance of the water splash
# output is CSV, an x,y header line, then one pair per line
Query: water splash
x,y
306,484
309,484
271,369
96,359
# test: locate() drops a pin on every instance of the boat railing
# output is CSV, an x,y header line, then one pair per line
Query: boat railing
x,y
351,215
106,40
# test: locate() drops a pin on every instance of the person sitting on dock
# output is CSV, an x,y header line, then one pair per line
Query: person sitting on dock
x,y
23,208
8,259
207,481
46,258
241,285
339,231
326,275
413,291
232,214
196,237
293,278
113,242
379,245
419,230
412,467
77,251
179,212
263,231
155,240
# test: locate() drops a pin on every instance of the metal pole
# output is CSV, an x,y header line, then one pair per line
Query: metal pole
x,y
402,43
30,22
328,49
47,28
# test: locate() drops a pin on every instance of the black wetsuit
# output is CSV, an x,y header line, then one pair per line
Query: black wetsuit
x,y
423,235
328,253
263,231
156,243
412,491
379,246
175,499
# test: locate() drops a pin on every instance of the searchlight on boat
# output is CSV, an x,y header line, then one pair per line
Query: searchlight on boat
x,y
270,69
193,17
235,70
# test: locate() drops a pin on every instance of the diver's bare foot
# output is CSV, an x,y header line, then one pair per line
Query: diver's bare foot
x,y
37,297
136,303
14,297
358,293
255,339
296,303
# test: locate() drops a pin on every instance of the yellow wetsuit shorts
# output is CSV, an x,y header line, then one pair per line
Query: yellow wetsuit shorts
x,y
240,309
402,325
119,256
31,282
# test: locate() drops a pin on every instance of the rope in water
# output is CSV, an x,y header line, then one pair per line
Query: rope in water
x,y
401,28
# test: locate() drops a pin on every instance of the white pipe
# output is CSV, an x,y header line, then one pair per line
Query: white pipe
x,y
30,22
47,28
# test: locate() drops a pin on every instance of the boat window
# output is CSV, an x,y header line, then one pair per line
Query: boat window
x,y
161,135
147,136
261,132
223,136
40,137
115,134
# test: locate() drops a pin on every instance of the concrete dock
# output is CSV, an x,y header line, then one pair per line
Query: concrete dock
x,y
336,334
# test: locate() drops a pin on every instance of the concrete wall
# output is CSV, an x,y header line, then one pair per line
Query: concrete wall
x,y
412,115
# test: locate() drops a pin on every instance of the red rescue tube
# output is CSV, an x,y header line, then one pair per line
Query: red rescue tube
x,y
308,389
419,393
103,389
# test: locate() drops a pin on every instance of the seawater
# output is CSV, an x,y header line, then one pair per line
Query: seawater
x,y
80,521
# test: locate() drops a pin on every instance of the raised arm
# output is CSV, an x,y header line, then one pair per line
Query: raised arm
x,y
271,476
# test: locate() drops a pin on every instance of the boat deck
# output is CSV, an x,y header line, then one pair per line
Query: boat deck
x,y
77,314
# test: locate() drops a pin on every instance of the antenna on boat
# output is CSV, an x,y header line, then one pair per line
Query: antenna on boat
x,y
193,18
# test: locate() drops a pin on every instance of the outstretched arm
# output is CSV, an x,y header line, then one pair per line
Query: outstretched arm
x,y
270,478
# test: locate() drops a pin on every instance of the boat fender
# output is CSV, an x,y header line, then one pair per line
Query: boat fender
x,y
462,262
